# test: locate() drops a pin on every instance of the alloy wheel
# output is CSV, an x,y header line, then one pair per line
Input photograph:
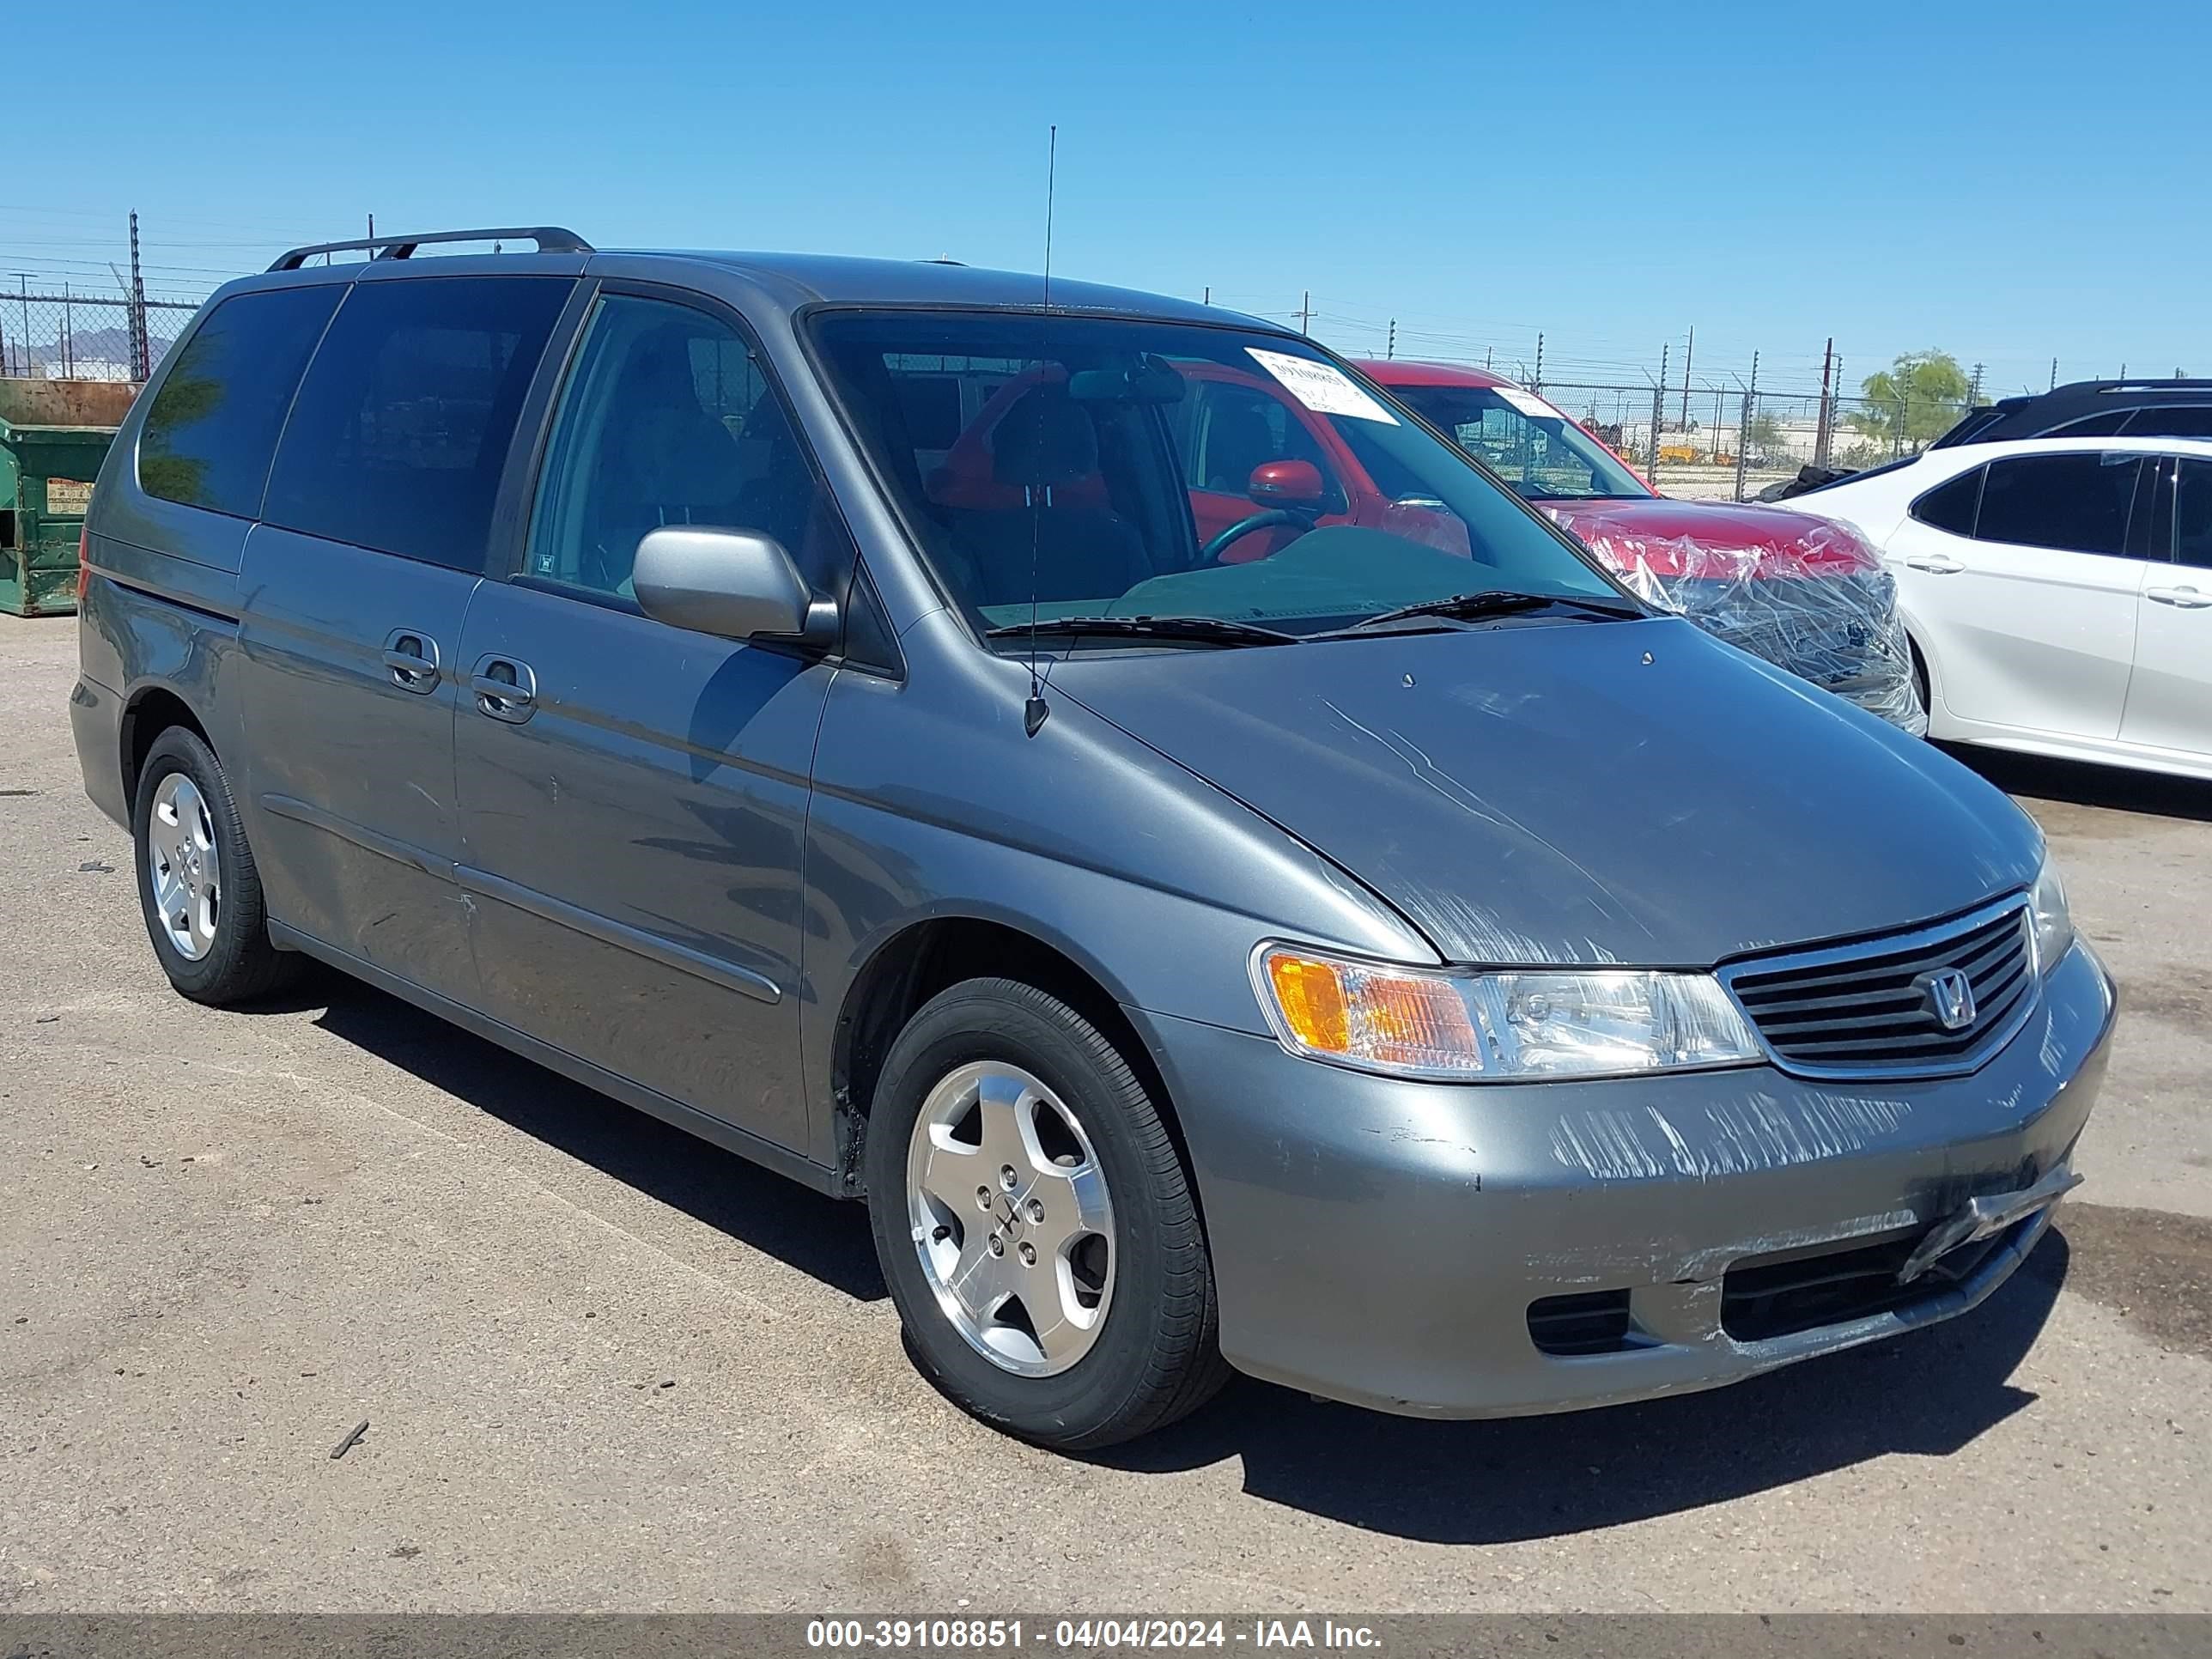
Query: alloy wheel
x,y
1011,1219
183,870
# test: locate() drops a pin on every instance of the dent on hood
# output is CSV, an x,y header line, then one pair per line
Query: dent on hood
x,y
1446,911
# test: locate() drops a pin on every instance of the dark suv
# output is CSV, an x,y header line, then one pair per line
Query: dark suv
x,y
2093,408
827,703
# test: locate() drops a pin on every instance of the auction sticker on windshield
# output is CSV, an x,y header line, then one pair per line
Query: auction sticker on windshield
x,y
1320,387
1528,403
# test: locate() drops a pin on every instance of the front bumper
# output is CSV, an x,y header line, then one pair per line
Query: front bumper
x,y
1382,1242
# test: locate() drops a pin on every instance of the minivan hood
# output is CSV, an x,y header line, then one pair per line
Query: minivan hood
x,y
1626,792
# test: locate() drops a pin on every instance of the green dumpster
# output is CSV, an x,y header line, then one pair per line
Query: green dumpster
x,y
46,483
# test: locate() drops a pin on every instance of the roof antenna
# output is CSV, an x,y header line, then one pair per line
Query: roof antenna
x,y
1033,711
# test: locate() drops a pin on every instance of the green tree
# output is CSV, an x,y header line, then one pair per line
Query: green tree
x,y
1915,400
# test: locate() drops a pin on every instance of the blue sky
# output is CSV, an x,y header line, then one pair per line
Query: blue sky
x,y
2007,181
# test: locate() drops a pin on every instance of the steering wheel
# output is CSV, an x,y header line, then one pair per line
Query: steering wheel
x,y
1212,551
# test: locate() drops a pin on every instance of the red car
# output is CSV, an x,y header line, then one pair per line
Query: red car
x,y
1806,593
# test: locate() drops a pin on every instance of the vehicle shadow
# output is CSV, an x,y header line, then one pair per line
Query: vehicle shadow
x,y
1926,1394
820,1236
2081,783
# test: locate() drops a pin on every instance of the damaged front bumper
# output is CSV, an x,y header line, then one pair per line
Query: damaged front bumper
x,y
1469,1251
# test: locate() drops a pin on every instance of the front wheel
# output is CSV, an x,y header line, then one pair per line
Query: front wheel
x,y
1034,1222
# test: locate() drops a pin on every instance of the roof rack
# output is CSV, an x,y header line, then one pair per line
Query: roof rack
x,y
551,238
2187,383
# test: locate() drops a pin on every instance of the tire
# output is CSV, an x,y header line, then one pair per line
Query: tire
x,y
1920,681
217,911
1149,1354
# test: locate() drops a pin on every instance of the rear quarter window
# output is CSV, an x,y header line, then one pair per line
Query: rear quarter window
x,y
401,430
211,429
1951,506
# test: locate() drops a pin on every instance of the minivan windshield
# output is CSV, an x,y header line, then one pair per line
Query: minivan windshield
x,y
1544,456
1102,468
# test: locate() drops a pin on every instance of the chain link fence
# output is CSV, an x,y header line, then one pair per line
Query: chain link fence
x,y
1726,443
77,337
1702,442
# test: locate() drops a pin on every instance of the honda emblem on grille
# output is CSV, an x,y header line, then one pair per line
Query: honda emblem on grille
x,y
1951,995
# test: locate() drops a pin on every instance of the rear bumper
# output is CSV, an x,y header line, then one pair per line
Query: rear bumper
x,y
1383,1242
96,723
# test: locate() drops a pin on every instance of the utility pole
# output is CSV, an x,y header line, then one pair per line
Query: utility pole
x,y
1537,385
1391,350
141,364
1743,439
1305,313
1485,359
2054,373
1823,422
1974,392
1207,299
1658,414
1689,352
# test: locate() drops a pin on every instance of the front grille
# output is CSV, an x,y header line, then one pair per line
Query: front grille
x,y
1591,1322
1869,1009
1770,1297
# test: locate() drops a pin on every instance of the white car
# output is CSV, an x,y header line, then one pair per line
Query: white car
x,y
2057,593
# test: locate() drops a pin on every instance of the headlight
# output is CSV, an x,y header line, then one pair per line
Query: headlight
x,y
1497,1027
2054,927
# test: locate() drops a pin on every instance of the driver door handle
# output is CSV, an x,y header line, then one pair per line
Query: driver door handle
x,y
410,657
2184,596
1941,564
505,689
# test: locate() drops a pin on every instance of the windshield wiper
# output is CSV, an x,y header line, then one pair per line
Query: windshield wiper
x,y
1213,630
1491,602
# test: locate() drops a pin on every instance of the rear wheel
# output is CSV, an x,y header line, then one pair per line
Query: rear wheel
x,y
1034,1222
197,886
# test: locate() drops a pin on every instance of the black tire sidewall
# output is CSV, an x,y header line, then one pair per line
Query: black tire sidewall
x,y
213,977
972,1022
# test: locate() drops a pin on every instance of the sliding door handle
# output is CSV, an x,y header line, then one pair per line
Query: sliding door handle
x,y
410,657
505,689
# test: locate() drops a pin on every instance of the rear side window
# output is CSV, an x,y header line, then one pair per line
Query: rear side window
x,y
2174,421
402,427
1951,506
2104,424
212,427
2075,503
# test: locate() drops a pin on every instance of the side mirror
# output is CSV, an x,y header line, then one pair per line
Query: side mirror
x,y
1288,483
736,584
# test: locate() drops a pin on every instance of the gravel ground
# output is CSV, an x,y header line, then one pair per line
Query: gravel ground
x,y
608,1367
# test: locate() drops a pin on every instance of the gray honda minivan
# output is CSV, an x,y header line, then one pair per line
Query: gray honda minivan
x,y
960,746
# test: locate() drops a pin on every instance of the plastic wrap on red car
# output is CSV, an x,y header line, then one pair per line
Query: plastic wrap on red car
x,y
1823,608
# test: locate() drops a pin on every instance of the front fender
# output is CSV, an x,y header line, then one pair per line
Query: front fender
x,y
1155,884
